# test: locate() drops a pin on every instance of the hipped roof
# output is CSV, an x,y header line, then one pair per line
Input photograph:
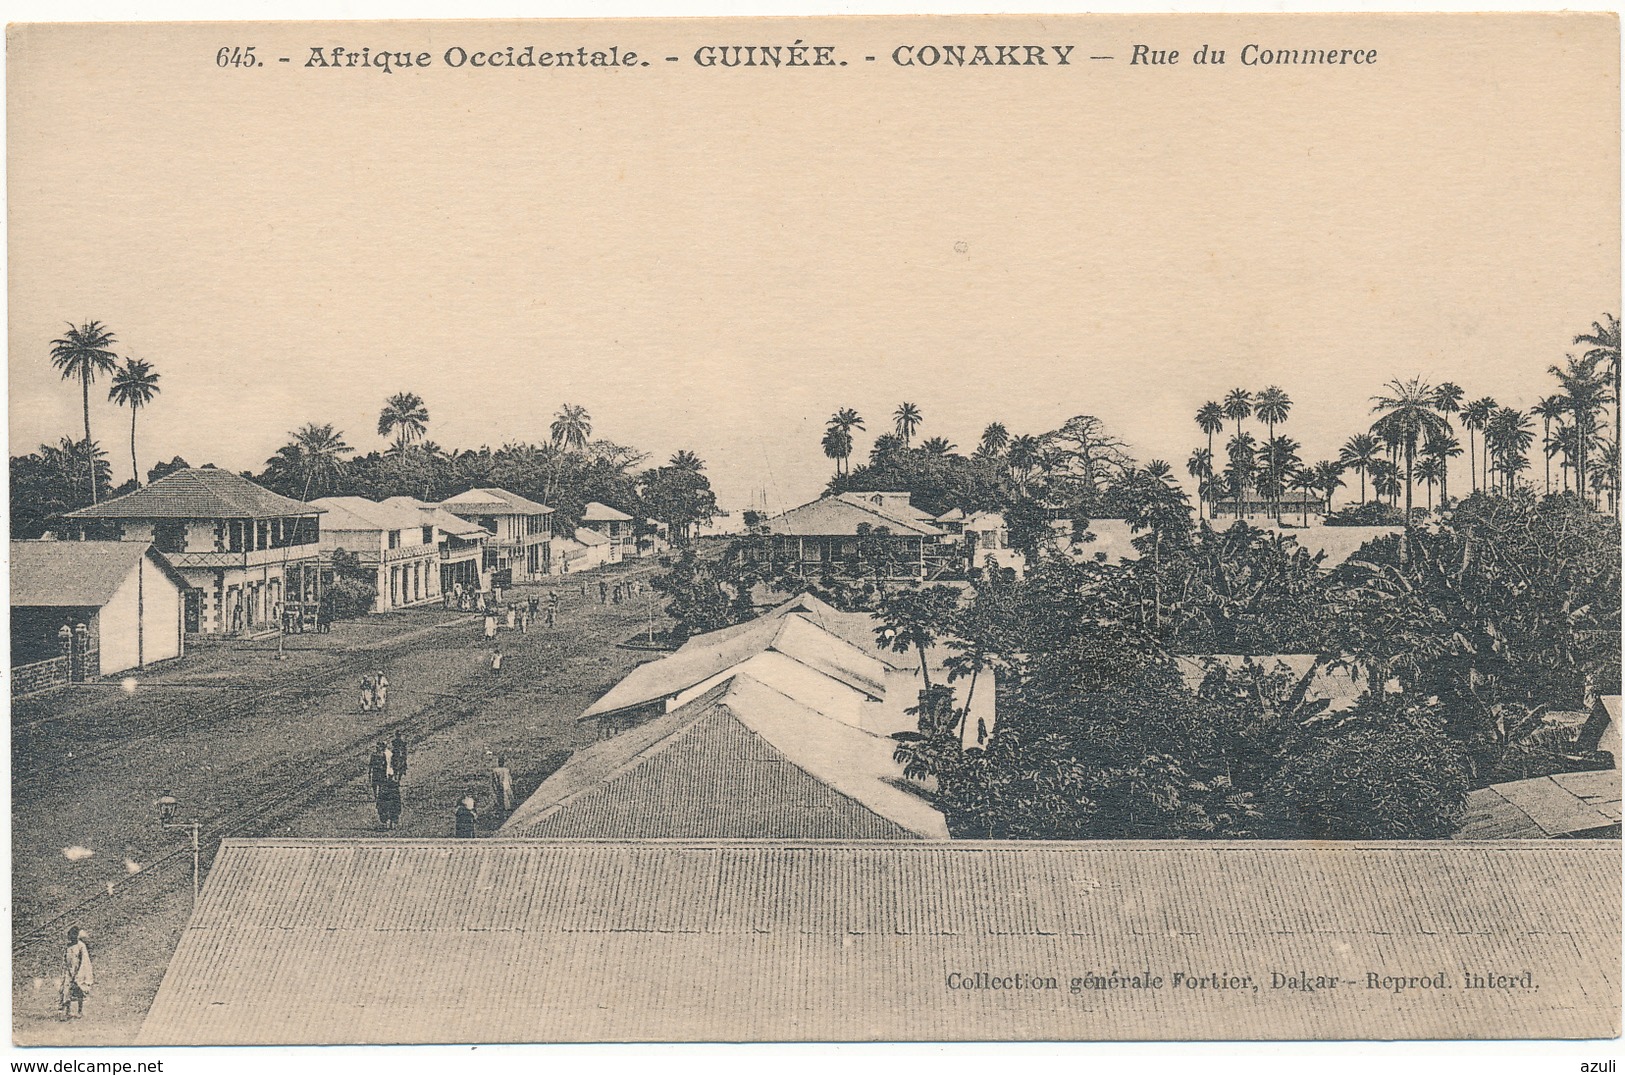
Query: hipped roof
x,y
198,493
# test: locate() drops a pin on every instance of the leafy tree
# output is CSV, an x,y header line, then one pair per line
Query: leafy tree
x,y
83,353
706,595
311,464
353,589
679,497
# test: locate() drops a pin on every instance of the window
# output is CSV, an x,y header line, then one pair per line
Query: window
x,y
428,535
170,536
394,539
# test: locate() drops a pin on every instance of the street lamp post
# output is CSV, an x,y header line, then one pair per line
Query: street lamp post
x,y
168,806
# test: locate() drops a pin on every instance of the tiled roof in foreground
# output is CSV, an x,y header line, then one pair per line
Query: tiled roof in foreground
x,y
332,941
198,493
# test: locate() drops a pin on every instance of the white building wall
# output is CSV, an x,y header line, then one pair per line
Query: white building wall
x,y
149,593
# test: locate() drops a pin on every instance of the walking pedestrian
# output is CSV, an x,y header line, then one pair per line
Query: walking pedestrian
x,y
502,787
77,975
524,621
397,756
490,624
380,691
603,592
496,660
378,767
552,608
388,801
466,818
367,693
511,615
535,604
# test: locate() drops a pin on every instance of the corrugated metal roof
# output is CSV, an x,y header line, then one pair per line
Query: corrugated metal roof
x,y
491,501
840,516
77,574
508,941
787,630
743,760
197,493
1564,804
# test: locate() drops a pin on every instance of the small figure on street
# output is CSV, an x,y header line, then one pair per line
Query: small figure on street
x,y
511,616
552,608
524,620
490,623
378,767
535,604
368,693
496,660
502,787
77,976
380,691
603,592
388,800
617,593
466,818
397,756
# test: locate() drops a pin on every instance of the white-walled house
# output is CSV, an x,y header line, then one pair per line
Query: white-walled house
x,y
130,599
520,546
396,541
614,525
462,545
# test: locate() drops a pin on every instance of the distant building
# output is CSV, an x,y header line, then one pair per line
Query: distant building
x,y
808,651
583,551
823,535
614,525
244,551
396,541
952,525
461,545
519,549
313,942
741,761
129,598
1294,503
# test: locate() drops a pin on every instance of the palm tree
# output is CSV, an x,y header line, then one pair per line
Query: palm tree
x,y
1566,443
837,445
1280,460
843,422
846,418
1022,457
1474,416
995,439
1200,467
1585,392
133,387
1430,470
1238,404
687,460
312,461
571,427
1407,418
937,446
83,352
1360,453
1243,468
1507,435
405,416
1447,399
1385,480
1604,341
1271,407
1210,420
907,419
1444,448
1547,410
1605,479
1328,479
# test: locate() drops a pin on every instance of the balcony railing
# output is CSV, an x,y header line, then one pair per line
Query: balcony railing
x,y
291,554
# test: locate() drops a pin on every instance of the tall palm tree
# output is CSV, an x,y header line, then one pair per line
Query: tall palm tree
x,y
906,419
1430,470
133,387
938,446
1304,480
1238,404
571,427
837,445
83,352
1406,418
1200,467
1022,457
843,422
1447,399
1474,415
1360,453
1242,471
1565,443
1606,477
311,462
687,460
1507,436
1271,407
1604,341
1548,410
995,439
405,416
1280,461
1585,393
1210,420
1444,448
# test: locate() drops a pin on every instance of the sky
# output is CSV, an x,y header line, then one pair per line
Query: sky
x,y
717,260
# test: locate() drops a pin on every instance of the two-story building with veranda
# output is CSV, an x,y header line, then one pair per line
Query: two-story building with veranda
x,y
462,546
246,553
520,546
397,542
614,525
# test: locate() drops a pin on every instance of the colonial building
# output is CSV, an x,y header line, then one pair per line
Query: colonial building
x,y
395,541
461,545
824,535
245,552
614,525
519,549
99,607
